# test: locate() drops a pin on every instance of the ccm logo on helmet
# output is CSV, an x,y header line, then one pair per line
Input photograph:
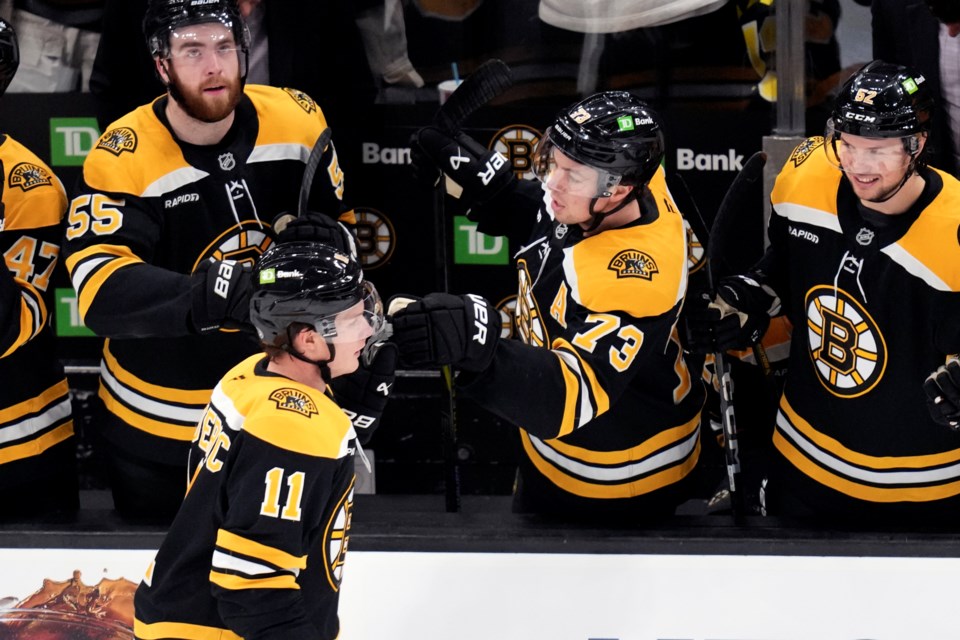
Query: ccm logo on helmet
x,y
859,117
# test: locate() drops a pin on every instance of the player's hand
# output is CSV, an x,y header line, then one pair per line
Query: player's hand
x,y
943,394
221,296
444,329
363,394
313,226
735,318
476,174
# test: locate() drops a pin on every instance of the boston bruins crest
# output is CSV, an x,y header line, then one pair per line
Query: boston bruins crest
x,y
118,140
27,175
631,263
306,102
293,400
805,149
846,346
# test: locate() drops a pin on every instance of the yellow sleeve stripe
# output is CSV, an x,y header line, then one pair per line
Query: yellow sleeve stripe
x,y
245,547
597,391
35,404
861,459
165,630
662,440
237,583
139,421
38,445
88,281
571,385
196,397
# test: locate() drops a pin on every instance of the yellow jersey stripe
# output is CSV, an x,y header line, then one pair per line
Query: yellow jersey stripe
x,y
34,405
571,385
237,583
277,557
38,445
138,420
597,392
182,630
195,397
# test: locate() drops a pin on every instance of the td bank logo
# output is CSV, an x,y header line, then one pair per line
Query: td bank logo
x,y
71,139
68,322
472,247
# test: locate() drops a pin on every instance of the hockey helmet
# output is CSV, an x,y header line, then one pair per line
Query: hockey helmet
x,y
315,284
613,132
9,55
163,17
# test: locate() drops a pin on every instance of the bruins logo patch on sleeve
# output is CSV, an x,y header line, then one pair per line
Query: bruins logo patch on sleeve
x,y
306,102
631,263
805,149
118,140
27,175
294,400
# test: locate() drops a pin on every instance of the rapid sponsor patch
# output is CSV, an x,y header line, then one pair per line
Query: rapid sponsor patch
x,y
27,175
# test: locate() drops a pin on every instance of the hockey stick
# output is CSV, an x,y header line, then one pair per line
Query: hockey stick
x,y
480,87
306,182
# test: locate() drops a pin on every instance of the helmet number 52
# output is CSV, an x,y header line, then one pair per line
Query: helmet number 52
x,y
865,96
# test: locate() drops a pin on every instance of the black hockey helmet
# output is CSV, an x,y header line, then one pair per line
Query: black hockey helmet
x,y
312,283
165,16
9,55
613,132
883,100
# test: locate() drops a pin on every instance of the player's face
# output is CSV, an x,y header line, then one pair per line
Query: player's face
x,y
874,166
571,188
353,328
204,67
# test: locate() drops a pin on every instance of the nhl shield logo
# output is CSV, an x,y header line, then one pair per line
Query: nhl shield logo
x,y
27,175
116,141
227,161
293,400
631,263
865,236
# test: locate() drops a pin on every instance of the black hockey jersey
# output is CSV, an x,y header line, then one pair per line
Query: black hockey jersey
x,y
597,381
35,409
149,210
260,540
875,305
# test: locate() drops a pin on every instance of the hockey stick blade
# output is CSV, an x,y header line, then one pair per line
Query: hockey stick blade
x,y
310,169
489,80
734,203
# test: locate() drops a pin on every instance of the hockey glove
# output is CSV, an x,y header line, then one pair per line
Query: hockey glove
x,y
444,329
736,318
221,296
312,226
943,394
474,173
363,394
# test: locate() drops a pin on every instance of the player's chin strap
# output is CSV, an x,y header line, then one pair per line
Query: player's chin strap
x,y
322,365
598,217
912,168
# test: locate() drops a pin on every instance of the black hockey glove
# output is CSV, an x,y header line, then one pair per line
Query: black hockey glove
x,y
476,173
312,226
444,329
736,318
363,394
221,296
943,395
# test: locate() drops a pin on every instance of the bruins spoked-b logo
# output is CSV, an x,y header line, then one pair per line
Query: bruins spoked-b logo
x,y
517,143
631,263
846,346
27,175
294,400
306,102
118,140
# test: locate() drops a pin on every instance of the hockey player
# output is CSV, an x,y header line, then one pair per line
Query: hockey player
x,y
175,204
258,547
608,413
37,449
865,262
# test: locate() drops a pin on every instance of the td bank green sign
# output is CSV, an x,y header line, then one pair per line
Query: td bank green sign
x,y
472,247
71,139
67,314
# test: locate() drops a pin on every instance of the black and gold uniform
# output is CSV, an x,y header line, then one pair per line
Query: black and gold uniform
x,y
37,448
257,549
149,210
608,411
875,304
